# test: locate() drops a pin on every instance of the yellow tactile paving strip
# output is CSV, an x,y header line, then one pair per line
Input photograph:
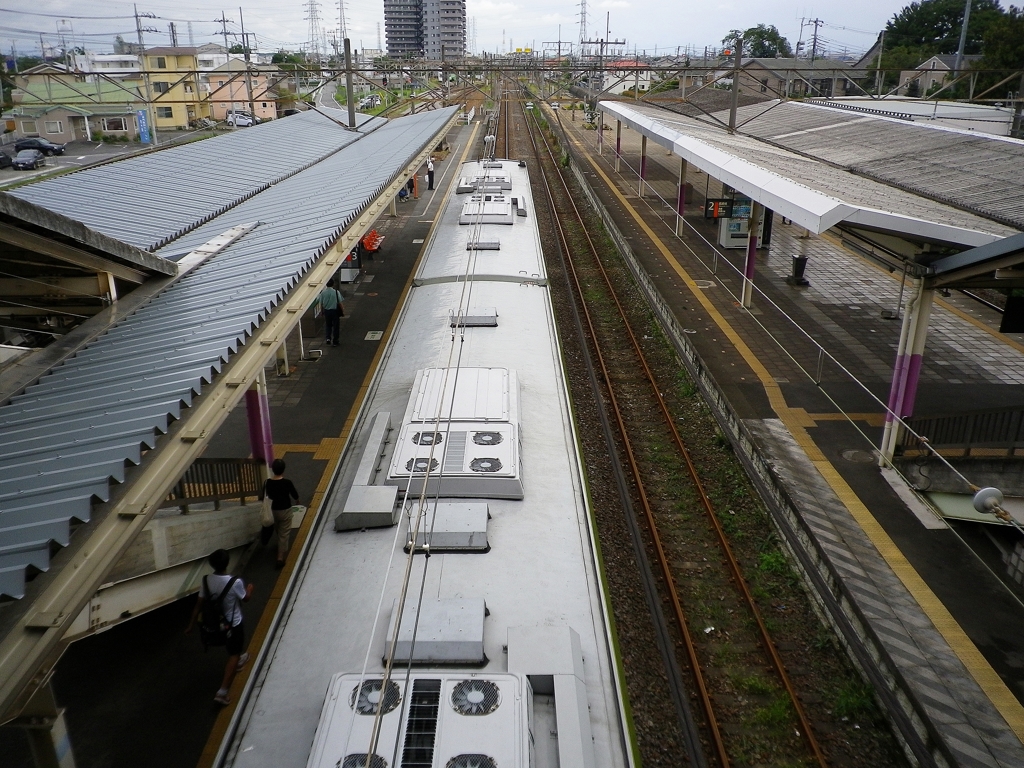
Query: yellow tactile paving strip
x,y
797,420
329,449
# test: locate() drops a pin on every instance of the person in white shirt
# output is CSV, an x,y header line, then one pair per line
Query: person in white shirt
x,y
210,589
430,173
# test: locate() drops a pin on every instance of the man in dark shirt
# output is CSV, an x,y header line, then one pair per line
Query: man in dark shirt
x,y
281,492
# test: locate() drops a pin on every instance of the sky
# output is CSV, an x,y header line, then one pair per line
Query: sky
x,y
501,25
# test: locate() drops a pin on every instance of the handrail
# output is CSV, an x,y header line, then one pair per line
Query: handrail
x,y
1000,428
218,479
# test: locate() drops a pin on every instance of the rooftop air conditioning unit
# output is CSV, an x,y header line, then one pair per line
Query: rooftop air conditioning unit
x,y
460,460
429,720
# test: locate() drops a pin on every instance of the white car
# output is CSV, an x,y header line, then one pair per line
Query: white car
x,y
241,120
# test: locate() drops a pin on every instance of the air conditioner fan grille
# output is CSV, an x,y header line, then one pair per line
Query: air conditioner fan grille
x,y
475,697
370,698
362,760
472,761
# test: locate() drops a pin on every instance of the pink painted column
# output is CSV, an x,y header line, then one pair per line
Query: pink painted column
x,y
618,144
257,411
900,374
917,353
751,258
643,164
681,197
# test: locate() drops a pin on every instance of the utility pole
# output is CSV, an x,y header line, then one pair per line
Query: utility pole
x,y
738,52
814,39
248,71
350,97
223,21
174,34
602,44
878,72
963,39
139,29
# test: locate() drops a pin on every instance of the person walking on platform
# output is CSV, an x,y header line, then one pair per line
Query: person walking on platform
x,y
220,604
281,492
430,173
331,305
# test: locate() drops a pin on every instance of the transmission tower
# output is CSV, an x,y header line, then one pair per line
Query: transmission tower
x,y
378,37
315,34
472,35
583,24
341,19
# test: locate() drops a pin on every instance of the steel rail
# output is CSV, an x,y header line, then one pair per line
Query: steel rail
x,y
723,541
666,570
664,639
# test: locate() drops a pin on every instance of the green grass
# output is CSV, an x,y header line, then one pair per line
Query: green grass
x,y
854,700
778,713
755,685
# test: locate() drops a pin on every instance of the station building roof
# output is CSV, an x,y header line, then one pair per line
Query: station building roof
x,y
274,200
813,179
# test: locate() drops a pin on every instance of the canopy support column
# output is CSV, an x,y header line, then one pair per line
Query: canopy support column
x,y
643,164
44,724
681,196
753,225
257,411
906,371
600,133
618,144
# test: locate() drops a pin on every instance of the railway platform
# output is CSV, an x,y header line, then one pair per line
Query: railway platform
x,y
144,688
934,598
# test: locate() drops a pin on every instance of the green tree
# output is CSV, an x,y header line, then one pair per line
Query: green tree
x,y
762,42
934,25
238,48
1003,44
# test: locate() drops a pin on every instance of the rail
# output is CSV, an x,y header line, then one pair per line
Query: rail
x,y
216,480
1000,430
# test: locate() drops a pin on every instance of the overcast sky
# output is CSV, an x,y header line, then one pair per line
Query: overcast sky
x,y
500,25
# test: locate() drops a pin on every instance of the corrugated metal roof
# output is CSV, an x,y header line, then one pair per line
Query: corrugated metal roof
x,y
150,199
862,194
67,436
976,172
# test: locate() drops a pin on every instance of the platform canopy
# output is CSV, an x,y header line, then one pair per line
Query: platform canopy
x,y
93,444
819,186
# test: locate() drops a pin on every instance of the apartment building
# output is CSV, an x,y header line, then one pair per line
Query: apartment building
x,y
432,29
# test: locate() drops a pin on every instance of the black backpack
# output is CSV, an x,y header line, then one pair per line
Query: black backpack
x,y
214,627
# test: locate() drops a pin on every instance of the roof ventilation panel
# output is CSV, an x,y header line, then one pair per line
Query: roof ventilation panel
x,y
453,527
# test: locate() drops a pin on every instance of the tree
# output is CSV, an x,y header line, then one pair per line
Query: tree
x,y
934,25
238,48
761,42
1003,44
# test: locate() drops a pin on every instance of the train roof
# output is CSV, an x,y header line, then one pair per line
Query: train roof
x,y
523,611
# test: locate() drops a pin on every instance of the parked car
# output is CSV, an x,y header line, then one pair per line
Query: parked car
x,y
28,160
241,119
43,145
5,160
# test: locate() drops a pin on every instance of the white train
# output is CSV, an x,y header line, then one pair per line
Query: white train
x,y
496,648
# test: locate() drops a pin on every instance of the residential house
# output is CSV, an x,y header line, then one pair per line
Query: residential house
x,y
627,75
111,65
229,86
75,111
929,75
174,87
799,78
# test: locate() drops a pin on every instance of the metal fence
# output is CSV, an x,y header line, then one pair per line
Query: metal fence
x,y
991,431
218,479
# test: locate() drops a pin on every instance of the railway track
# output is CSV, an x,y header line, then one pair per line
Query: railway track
x,y
637,417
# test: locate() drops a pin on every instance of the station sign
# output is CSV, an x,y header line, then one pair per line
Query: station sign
x,y
718,209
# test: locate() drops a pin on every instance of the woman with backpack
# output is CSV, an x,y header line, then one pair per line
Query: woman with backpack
x,y
219,610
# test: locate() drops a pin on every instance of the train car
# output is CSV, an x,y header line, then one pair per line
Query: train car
x,y
449,609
